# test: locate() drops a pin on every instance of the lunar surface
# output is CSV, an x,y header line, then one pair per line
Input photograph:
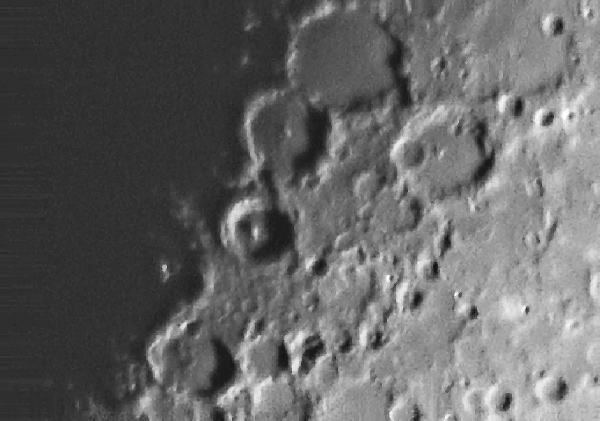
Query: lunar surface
x,y
415,236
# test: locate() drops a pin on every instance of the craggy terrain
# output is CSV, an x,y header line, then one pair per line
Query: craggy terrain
x,y
416,234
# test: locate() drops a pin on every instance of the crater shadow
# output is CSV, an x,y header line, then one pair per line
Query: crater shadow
x,y
318,127
281,237
225,370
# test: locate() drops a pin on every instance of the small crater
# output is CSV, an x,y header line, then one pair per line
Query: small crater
x,y
511,106
499,399
473,313
518,107
245,228
551,388
365,186
553,25
587,12
439,66
427,268
411,213
505,402
372,337
376,339
535,187
568,116
313,348
283,357
561,390
532,241
544,118
416,300
319,267
255,327
443,242
484,171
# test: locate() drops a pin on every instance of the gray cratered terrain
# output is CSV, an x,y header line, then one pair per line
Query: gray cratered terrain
x,y
416,234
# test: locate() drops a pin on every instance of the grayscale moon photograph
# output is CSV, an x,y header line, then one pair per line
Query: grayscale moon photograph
x,y
327,210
